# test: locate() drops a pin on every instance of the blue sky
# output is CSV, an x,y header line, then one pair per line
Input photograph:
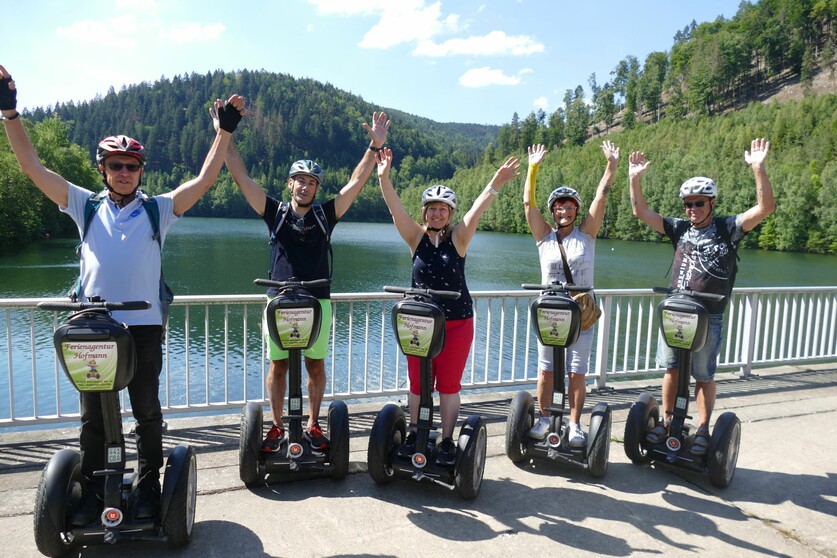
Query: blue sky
x,y
452,61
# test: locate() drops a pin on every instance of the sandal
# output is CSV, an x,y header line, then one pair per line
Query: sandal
x,y
657,434
701,443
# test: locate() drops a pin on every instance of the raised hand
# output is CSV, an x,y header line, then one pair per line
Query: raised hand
x,y
384,160
537,153
757,153
638,164
378,130
611,152
509,170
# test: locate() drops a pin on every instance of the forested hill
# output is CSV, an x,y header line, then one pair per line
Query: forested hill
x,y
289,119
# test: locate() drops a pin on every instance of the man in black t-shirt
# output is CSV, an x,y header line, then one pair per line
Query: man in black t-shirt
x,y
300,247
704,261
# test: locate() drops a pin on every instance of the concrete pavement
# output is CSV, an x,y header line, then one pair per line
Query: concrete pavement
x,y
782,501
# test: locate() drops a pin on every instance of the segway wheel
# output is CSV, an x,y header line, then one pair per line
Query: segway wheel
x,y
250,444
470,460
338,430
387,434
723,449
520,420
179,516
60,480
642,417
599,450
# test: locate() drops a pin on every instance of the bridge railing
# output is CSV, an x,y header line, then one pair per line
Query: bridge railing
x,y
215,356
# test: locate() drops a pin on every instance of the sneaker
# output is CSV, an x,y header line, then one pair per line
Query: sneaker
x,y
408,448
315,437
657,434
577,437
540,429
447,452
273,441
147,499
88,508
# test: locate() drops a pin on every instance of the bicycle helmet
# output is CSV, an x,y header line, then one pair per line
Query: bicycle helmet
x,y
439,193
563,192
308,167
699,186
120,145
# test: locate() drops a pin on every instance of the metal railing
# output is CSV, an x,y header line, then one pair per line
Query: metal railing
x,y
215,355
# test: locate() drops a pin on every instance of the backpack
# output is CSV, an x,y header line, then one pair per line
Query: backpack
x,y
91,206
319,216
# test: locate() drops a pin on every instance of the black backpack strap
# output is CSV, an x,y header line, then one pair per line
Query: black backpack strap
x,y
281,214
153,212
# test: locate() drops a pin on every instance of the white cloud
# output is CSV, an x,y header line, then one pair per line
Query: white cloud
x,y
541,103
114,30
482,77
492,44
406,22
194,32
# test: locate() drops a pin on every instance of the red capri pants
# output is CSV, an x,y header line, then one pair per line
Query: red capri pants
x,y
450,364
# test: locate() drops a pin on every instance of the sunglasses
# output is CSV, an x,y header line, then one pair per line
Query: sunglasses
x,y
689,205
116,167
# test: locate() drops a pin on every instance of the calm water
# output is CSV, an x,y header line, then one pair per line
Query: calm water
x,y
223,256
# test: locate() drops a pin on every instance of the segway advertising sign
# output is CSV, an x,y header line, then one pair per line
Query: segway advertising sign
x,y
294,327
92,365
554,326
415,334
679,328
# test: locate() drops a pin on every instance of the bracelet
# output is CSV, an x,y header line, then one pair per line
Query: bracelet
x,y
373,148
491,191
7,118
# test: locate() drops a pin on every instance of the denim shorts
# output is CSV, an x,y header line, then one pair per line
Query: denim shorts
x,y
578,355
705,360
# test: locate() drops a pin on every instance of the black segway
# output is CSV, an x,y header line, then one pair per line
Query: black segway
x,y
419,326
97,354
293,321
557,319
684,323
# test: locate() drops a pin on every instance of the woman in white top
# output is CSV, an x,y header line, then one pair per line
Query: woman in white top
x,y
564,204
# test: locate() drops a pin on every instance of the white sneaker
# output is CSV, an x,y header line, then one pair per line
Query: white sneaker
x,y
540,429
577,437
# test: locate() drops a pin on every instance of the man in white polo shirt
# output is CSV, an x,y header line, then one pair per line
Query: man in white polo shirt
x,y
120,261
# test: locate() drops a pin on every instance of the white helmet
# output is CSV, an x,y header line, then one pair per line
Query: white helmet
x,y
563,192
699,186
439,193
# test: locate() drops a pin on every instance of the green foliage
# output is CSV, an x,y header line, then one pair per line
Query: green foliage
x,y
25,213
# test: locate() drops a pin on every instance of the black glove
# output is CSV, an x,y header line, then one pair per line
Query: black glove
x,y
8,97
228,118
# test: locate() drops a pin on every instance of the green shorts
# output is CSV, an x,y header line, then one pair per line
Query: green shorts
x,y
318,351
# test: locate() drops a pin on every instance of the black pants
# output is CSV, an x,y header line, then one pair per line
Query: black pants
x,y
145,404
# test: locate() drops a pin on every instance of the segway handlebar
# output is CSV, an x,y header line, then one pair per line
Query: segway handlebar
x,y
416,291
58,306
292,282
713,297
555,287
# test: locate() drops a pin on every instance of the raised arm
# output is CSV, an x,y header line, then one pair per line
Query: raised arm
x,y
593,221
537,224
409,230
765,204
53,185
253,193
465,229
187,194
377,136
638,166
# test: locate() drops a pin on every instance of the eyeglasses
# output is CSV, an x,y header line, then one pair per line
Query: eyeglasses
x,y
564,208
116,167
689,205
